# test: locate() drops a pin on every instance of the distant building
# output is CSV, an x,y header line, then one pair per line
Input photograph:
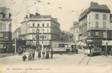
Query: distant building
x,y
18,43
16,33
39,29
75,32
5,30
95,27
66,36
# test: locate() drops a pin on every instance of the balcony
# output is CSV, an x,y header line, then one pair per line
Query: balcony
x,y
96,28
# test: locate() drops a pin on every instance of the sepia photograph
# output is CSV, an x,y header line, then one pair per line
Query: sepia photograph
x,y
55,36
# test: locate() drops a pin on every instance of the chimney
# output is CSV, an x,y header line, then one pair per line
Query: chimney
x,y
37,14
94,3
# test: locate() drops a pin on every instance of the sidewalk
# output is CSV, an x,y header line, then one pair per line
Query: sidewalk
x,y
5,55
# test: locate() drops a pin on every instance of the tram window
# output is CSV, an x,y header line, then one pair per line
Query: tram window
x,y
61,45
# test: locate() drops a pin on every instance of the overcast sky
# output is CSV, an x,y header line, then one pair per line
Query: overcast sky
x,y
66,11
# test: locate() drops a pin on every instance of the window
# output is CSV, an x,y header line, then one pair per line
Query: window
x,y
43,25
96,24
2,27
33,31
3,15
89,17
105,34
47,24
9,15
61,45
33,25
104,17
89,34
47,30
104,24
96,16
96,33
38,25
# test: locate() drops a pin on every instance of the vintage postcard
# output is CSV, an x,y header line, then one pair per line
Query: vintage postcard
x,y
55,36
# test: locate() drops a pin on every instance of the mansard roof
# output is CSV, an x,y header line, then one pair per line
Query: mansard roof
x,y
96,8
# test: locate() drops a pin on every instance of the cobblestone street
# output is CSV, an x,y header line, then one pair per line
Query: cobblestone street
x,y
75,59
60,63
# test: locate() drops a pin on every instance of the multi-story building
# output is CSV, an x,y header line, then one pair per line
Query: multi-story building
x,y
40,29
95,26
5,30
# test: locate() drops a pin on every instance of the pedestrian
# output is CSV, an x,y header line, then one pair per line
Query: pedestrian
x,y
39,54
43,54
51,53
47,55
30,57
24,57
33,55
76,51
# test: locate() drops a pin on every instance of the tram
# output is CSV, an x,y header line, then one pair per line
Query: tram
x,y
63,47
92,51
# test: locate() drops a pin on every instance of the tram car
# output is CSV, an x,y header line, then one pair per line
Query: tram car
x,y
62,47
92,51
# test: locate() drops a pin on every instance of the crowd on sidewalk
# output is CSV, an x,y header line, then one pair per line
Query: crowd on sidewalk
x,y
32,55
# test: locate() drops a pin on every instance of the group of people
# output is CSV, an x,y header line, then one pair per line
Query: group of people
x,y
29,57
40,54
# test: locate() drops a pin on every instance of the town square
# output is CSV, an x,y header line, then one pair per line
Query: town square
x,y
56,34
